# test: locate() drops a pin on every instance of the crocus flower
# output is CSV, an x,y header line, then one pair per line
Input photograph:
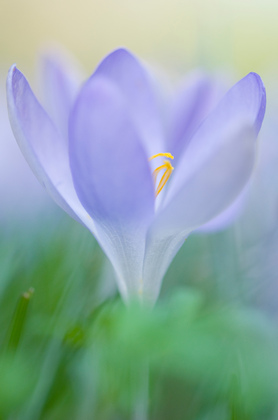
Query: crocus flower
x,y
113,171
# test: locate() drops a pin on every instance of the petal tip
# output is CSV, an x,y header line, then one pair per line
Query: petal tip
x,y
121,54
12,68
14,85
122,51
10,82
11,73
258,84
261,111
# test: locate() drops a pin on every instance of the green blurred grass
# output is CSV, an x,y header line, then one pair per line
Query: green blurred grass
x,y
82,354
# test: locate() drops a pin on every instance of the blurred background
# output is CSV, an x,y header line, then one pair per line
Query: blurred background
x,y
70,349
178,34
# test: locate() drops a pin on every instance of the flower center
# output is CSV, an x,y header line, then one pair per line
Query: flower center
x,y
168,169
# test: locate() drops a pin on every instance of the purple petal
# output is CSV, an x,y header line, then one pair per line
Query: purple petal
x,y
125,70
242,106
61,80
228,216
214,186
23,190
110,169
246,101
195,99
112,177
214,169
217,183
41,144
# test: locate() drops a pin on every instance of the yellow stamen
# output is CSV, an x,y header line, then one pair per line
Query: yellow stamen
x,y
168,170
168,155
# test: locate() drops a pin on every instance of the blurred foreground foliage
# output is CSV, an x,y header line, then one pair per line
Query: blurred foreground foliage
x,y
73,350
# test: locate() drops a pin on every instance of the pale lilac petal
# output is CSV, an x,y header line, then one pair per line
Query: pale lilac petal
x,y
194,100
214,169
110,168
217,183
228,216
160,251
125,248
22,195
126,71
245,102
112,176
61,80
41,144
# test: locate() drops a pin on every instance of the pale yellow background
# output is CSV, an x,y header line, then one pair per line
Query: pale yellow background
x,y
179,34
